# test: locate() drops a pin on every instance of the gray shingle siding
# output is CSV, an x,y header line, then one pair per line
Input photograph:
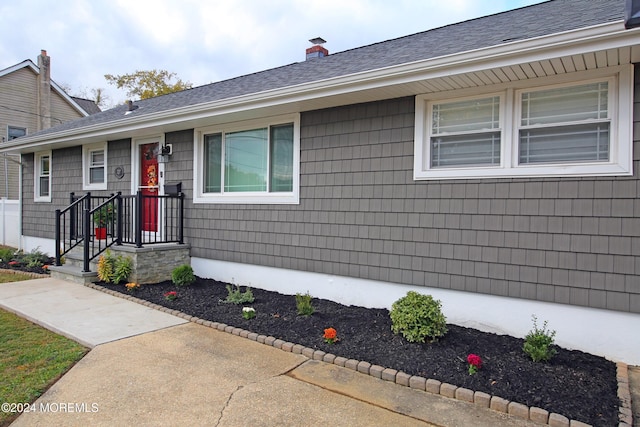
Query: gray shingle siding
x,y
66,177
564,240
361,214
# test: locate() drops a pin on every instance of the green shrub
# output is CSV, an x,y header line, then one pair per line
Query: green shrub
x,y
538,342
114,269
106,266
122,269
6,254
236,296
303,303
418,317
33,259
183,275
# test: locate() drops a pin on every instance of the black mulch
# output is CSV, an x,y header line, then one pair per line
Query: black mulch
x,y
575,384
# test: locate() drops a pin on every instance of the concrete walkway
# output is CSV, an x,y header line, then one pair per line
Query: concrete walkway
x,y
154,369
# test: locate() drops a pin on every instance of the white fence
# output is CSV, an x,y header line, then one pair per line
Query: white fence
x,y
10,222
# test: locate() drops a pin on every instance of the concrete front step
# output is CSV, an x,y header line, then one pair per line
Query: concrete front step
x,y
73,274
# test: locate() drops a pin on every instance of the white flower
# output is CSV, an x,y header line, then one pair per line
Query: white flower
x,y
248,309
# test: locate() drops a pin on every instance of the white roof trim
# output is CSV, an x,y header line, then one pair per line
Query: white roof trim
x,y
588,39
28,63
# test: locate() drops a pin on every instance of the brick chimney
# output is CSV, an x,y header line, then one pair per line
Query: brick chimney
x,y
317,50
44,90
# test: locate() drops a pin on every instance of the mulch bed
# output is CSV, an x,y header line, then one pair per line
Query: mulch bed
x,y
575,384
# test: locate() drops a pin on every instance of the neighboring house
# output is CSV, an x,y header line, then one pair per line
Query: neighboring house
x,y
29,102
490,163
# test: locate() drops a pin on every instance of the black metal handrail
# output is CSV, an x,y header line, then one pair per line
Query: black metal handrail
x,y
137,219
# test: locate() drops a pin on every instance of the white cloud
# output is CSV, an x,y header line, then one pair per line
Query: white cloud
x,y
203,40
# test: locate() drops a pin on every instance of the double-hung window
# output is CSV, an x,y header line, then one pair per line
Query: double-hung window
x,y
42,178
465,133
577,128
566,124
94,166
254,162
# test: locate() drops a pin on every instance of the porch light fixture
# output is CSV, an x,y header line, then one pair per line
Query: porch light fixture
x,y
165,151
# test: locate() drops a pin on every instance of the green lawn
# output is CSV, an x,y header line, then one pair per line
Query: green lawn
x,y
13,277
31,359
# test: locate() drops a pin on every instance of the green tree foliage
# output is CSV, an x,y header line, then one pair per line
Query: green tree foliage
x,y
147,84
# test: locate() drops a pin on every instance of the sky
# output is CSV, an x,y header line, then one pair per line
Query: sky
x,y
205,41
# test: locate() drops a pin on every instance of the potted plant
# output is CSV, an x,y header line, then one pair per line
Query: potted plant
x,y
101,218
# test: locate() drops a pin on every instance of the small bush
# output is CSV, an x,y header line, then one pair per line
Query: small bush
x,y
236,296
6,254
122,269
303,303
33,259
105,266
538,342
418,317
183,275
114,269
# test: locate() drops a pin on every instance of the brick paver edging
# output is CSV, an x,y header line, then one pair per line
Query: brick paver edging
x,y
415,382
25,273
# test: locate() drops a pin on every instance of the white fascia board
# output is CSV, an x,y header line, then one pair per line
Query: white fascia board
x,y
68,98
589,39
25,63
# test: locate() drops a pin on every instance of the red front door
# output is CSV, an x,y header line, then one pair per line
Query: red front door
x,y
149,185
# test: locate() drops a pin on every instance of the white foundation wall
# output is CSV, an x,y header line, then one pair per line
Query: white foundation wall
x,y
30,243
611,334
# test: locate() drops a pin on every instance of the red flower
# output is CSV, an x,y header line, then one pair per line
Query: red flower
x,y
475,363
13,263
474,360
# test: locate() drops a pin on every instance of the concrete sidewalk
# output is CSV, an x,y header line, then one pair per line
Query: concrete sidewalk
x,y
152,368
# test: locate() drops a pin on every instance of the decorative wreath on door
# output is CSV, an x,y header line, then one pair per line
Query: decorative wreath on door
x,y
152,177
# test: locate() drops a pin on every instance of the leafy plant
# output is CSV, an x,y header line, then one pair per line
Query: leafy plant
x,y
104,215
114,269
539,341
303,303
6,254
183,275
105,266
248,313
122,269
236,296
33,259
418,317
171,295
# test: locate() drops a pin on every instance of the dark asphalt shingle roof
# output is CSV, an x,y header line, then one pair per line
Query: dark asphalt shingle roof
x,y
542,19
87,105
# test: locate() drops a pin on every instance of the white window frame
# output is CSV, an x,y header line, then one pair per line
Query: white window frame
x,y
86,166
620,98
37,173
292,197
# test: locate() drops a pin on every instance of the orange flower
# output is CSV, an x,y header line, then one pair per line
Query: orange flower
x,y
330,335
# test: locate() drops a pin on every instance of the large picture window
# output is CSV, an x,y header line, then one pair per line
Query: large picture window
x,y
577,128
42,178
253,163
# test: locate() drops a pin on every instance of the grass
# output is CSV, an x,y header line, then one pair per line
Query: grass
x,y
31,359
13,277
